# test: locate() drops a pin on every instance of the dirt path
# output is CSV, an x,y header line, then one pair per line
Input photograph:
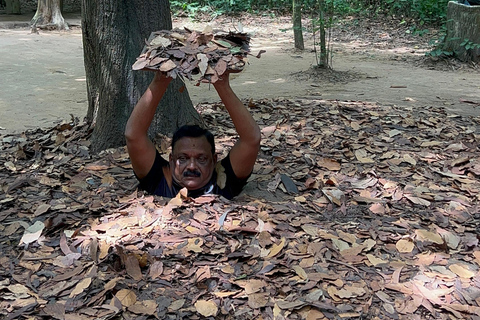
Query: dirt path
x,y
43,78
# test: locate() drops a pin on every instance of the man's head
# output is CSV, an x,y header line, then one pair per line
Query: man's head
x,y
193,156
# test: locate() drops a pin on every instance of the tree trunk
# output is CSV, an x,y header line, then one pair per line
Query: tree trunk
x,y
323,63
114,33
297,25
49,16
463,31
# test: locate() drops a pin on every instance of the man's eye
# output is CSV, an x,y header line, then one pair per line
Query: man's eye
x,y
182,159
202,160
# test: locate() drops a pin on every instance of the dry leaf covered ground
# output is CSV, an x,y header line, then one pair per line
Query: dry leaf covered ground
x,y
355,211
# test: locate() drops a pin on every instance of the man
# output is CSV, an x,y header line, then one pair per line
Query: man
x,y
193,162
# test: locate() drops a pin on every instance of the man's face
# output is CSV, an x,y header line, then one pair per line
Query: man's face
x,y
192,162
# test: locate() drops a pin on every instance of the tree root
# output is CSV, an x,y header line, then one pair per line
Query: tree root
x,y
51,26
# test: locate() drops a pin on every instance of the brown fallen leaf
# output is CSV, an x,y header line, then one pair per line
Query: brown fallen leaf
x,y
424,235
156,269
80,287
377,208
133,267
461,270
41,209
430,295
252,286
55,310
375,261
176,305
276,248
418,200
362,156
206,308
148,307
126,297
335,195
405,245
104,249
476,254
286,305
330,164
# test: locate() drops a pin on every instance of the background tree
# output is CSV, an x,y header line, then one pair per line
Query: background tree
x,y
114,33
49,15
297,25
323,55
463,32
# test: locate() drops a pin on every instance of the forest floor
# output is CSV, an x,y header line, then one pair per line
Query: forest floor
x,y
364,203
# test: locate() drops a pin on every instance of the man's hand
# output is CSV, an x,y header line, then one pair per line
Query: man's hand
x,y
223,80
161,79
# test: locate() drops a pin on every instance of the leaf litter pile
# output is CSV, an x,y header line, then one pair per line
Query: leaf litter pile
x,y
354,211
188,52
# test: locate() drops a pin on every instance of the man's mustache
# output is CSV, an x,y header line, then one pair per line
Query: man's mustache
x,y
191,173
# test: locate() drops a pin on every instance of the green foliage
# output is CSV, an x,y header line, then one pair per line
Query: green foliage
x,y
439,52
238,6
422,11
438,45
340,7
327,21
193,8
413,30
467,44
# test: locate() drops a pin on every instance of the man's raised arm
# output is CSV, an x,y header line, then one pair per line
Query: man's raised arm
x,y
140,147
244,153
